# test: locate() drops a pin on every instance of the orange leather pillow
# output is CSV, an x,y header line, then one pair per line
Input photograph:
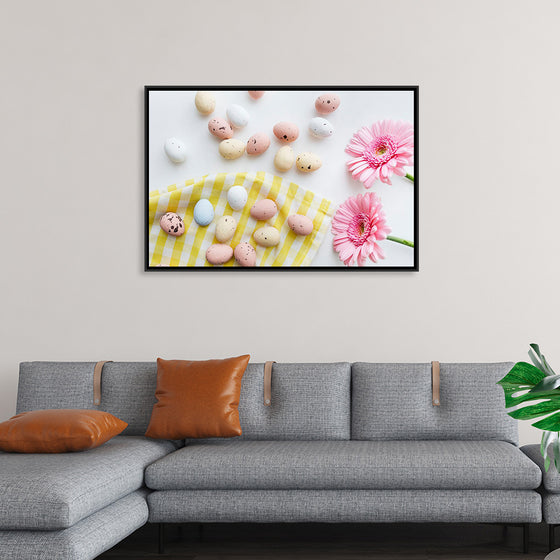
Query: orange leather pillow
x,y
197,399
58,431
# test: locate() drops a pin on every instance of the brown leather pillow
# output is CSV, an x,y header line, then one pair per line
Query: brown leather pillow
x,y
58,431
197,399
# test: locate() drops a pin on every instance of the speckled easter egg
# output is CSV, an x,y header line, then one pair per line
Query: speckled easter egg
x,y
300,225
237,116
245,254
172,224
205,102
203,213
264,209
267,236
256,94
237,197
220,128
225,228
286,131
320,127
327,103
232,148
307,162
219,253
258,144
175,150
284,158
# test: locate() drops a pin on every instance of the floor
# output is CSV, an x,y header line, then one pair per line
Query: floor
x,y
330,542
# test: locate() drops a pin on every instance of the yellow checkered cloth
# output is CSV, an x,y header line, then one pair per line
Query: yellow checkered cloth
x,y
190,248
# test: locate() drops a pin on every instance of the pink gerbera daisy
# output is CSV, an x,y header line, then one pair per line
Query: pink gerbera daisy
x,y
380,150
357,225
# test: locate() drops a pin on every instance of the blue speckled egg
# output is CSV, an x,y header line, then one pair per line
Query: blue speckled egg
x,y
203,212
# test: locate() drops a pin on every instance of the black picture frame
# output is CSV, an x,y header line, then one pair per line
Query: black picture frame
x,y
415,267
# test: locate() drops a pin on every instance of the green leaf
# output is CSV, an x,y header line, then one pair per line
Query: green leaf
x,y
540,362
522,374
550,423
536,410
547,384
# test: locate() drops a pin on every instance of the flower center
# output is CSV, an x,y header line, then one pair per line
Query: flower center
x,y
380,151
360,229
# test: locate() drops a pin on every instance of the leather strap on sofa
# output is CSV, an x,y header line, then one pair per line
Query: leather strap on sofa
x,y
97,371
435,384
268,383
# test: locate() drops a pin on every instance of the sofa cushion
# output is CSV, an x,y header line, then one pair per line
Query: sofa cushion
x,y
394,401
54,491
309,402
550,478
85,540
225,465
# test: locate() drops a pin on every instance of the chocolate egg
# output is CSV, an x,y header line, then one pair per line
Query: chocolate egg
x,y
264,209
237,197
300,225
203,213
245,255
219,253
255,94
286,131
327,103
205,102
308,162
175,150
284,158
220,128
237,116
320,127
258,144
267,236
232,148
172,224
225,228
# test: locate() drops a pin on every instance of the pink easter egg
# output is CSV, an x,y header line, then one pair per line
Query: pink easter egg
x,y
219,253
286,131
256,94
245,254
327,103
172,224
300,225
220,128
264,209
258,144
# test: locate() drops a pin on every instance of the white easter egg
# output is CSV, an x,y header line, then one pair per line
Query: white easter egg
x,y
320,127
237,197
237,116
175,150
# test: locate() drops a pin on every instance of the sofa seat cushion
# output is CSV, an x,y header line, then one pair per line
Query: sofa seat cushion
x,y
550,478
55,491
338,465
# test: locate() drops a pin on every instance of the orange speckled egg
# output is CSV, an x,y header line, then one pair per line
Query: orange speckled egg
x,y
258,144
256,94
220,128
172,224
300,225
286,131
327,103
264,209
219,253
245,255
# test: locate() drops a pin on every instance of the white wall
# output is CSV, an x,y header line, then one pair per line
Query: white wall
x,y
72,285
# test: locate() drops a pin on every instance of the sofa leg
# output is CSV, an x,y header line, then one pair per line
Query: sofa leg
x,y
161,538
525,538
551,528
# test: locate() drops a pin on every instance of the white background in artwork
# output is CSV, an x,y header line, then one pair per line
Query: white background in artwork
x,y
173,114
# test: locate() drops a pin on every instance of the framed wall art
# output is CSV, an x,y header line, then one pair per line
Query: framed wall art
x,y
281,178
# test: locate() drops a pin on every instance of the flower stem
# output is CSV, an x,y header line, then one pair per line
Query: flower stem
x,y
410,177
400,240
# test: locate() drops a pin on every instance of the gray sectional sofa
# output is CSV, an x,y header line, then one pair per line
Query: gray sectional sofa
x,y
340,442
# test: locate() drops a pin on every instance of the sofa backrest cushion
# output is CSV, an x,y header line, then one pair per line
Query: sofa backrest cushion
x,y
394,402
127,389
309,402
